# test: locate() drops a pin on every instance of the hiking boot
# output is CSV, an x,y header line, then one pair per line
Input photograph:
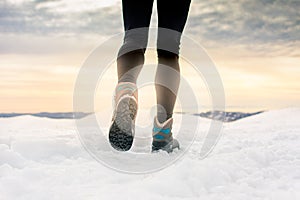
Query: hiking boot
x,y
162,136
122,129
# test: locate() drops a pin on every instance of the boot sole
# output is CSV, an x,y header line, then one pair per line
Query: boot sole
x,y
121,132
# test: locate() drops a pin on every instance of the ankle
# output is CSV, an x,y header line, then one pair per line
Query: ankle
x,y
162,117
129,88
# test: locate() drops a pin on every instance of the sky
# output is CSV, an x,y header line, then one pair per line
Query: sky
x,y
43,43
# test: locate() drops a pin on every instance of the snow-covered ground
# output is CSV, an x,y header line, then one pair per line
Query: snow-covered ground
x,y
257,158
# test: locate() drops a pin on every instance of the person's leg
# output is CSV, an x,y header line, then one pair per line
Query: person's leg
x,y
172,14
136,14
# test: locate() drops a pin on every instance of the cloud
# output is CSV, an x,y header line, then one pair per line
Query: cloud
x,y
47,27
73,6
260,25
60,17
246,21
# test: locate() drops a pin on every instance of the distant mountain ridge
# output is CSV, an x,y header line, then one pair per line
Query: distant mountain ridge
x,y
216,115
226,116
54,115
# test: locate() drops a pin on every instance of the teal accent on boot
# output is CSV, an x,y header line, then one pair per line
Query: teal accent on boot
x,y
159,137
165,131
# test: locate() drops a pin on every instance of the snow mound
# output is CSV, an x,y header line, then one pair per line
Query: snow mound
x,y
287,116
257,158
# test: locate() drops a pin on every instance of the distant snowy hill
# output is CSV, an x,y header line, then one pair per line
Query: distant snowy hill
x,y
258,157
56,115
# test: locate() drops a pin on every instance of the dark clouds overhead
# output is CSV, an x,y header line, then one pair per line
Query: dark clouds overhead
x,y
247,20
233,21
54,17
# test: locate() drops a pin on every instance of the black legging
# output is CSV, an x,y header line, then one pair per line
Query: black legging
x,y
172,14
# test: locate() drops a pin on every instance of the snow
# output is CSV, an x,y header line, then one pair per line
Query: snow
x,y
256,158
